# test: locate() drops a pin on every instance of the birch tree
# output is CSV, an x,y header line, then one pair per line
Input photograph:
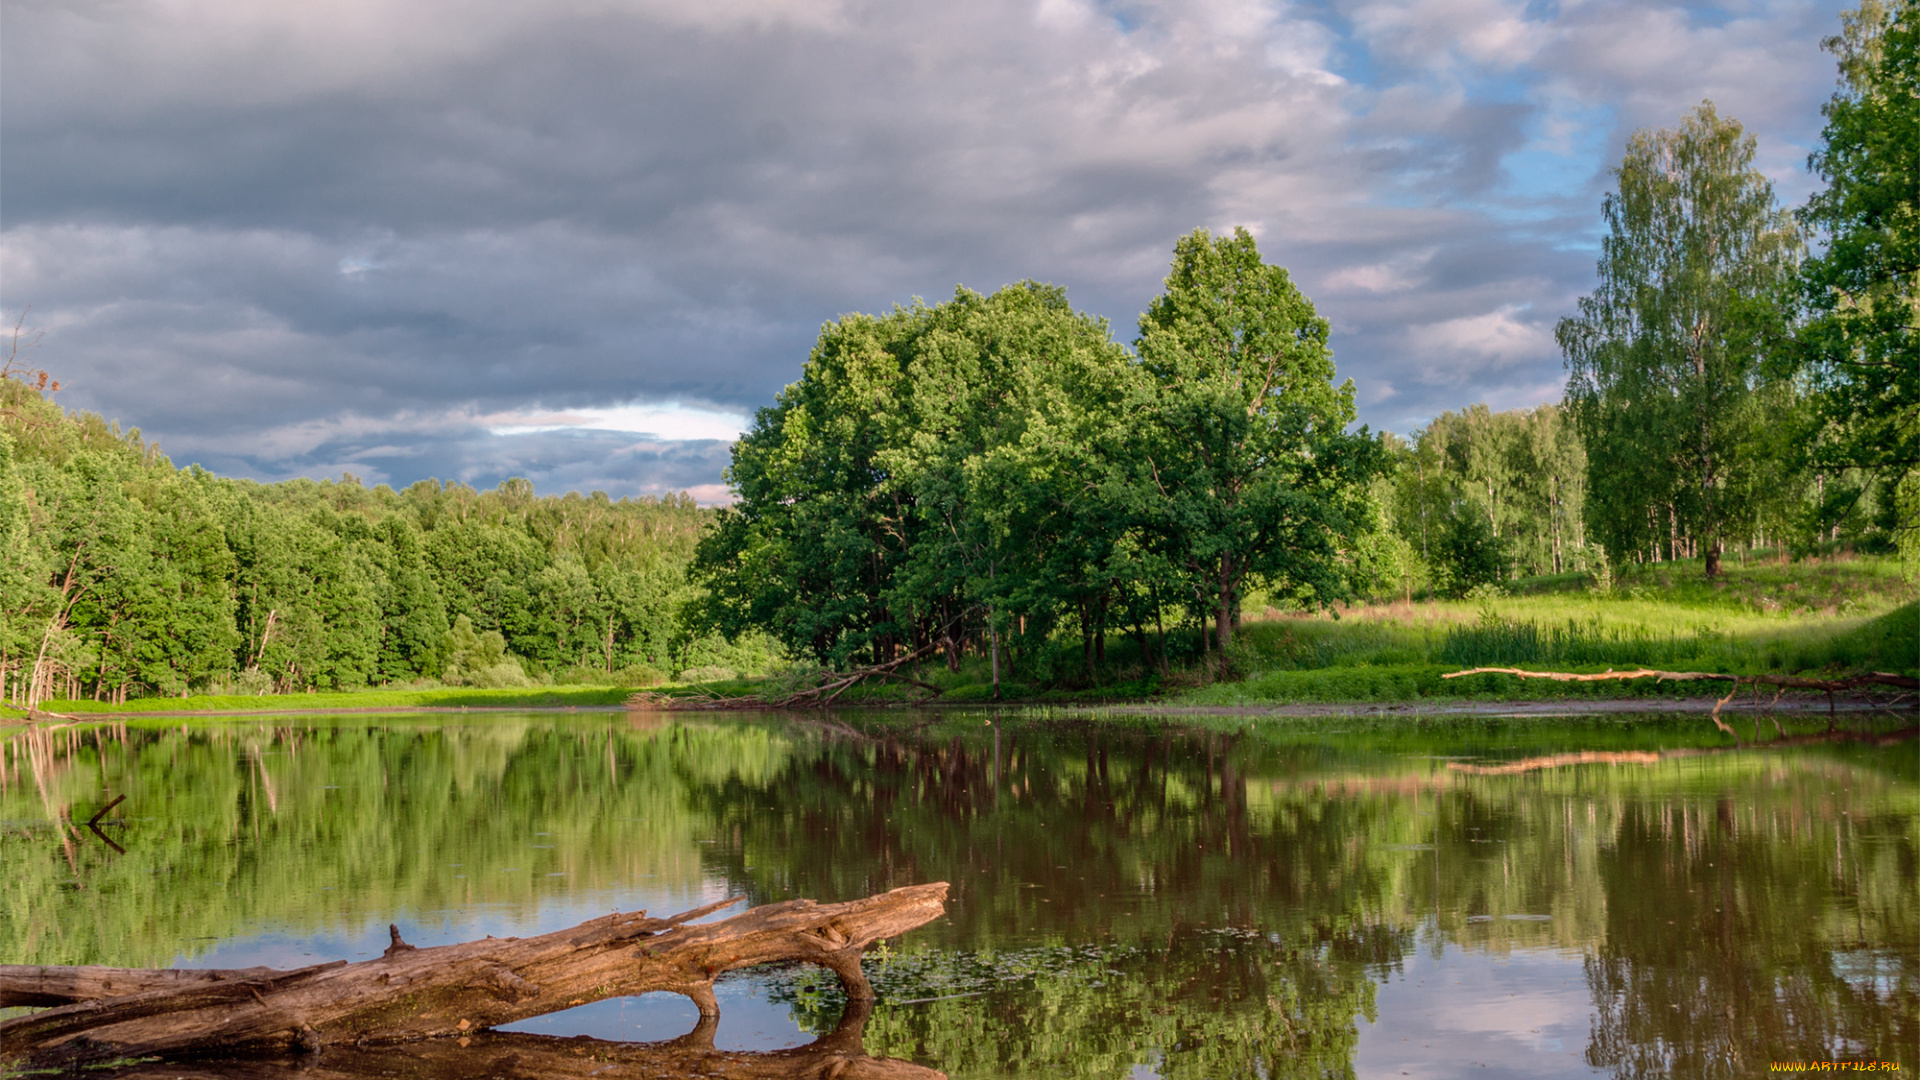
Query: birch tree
x,y
1666,355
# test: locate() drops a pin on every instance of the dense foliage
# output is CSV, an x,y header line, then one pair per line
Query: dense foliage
x,y
125,575
1666,356
996,467
1863,342
1481,495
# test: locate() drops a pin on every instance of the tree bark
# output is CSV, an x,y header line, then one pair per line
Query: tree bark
x,y
450,991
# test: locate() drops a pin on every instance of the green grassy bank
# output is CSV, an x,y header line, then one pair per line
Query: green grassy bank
x,y
378,699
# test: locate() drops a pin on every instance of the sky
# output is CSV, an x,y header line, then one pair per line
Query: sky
x,y
581,241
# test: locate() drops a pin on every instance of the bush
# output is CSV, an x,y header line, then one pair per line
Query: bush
x,y
754,652
498,676
1469,553
473,659
708,673
638,675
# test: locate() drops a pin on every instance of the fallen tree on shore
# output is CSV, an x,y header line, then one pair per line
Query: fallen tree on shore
x,y
1782,683
449,991
818,691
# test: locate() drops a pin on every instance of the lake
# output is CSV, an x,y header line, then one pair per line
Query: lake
x,y
1132,896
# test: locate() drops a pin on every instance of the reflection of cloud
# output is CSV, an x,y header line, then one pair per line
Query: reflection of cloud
x,y
1468,1010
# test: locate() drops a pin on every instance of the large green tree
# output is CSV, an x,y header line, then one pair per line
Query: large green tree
x,y
1667,355
1864,338
1246,468
928,478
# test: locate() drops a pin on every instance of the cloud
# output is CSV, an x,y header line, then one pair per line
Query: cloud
x,y
288,237
670,421
1496,337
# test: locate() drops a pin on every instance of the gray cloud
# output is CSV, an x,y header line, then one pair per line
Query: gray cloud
x,y
289,239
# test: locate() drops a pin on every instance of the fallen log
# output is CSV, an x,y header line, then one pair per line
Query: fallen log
x,y
826,688
411,993
837,1055
1788,682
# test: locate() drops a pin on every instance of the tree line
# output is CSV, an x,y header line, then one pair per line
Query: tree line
x,y
123,575
996,473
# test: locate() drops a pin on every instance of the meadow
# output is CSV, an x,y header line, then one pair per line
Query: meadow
x,y
1831,615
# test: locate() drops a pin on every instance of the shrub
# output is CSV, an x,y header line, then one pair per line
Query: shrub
x,y
474,659
1469,553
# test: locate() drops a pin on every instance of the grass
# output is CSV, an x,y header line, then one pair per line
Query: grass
x,y
1821,616
372,699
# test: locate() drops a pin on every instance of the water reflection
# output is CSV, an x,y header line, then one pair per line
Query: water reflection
x,y
1626,898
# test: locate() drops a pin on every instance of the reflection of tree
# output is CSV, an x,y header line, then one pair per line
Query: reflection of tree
x,y
1246,888
1206,1004
1137,843
1740,934
1131,833
321,827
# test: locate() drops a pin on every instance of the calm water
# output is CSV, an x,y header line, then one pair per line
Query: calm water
x,y
1543,898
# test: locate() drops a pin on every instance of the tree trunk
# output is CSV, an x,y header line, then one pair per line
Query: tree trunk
x,y
449,991
1100,631
1223,613
1086,638
993,645
1160,630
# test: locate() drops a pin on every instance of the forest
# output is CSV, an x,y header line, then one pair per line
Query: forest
x,y
997,475
127,576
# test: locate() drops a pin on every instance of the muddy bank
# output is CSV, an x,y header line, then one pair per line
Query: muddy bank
x,y
1794,705
1590,707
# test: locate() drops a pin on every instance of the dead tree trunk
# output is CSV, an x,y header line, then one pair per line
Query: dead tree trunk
x,y
1781,682
410,993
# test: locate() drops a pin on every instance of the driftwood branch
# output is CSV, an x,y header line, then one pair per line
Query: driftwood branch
x,y
451,991
1790,682
1784,682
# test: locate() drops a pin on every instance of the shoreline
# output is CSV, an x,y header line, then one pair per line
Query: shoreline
x,y
1545,707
